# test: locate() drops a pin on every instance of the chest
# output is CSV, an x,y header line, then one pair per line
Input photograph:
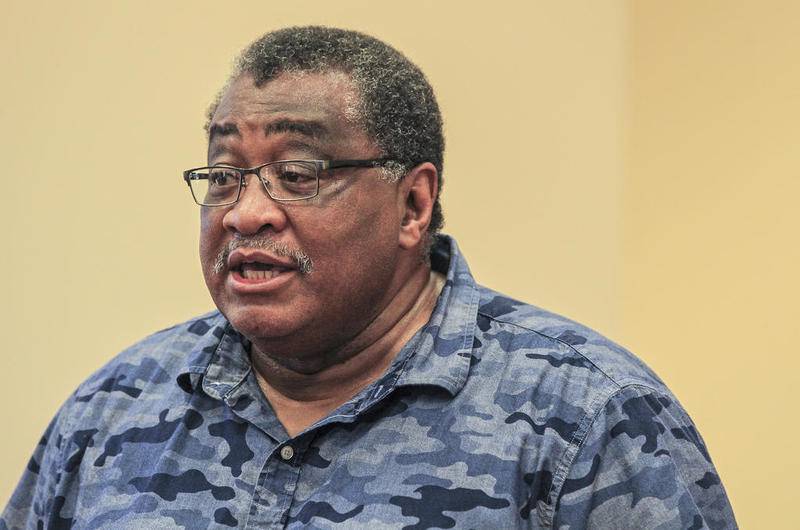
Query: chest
x,y
411,463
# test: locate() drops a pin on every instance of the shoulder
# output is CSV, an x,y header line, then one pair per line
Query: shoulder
x,y
137,387
550,377
590,402
149,368
555,368
159,355
561,342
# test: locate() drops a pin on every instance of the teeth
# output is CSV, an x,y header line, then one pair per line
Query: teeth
x,y
259,275
260,271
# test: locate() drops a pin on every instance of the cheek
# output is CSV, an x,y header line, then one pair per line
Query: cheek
x,y
363,234
356,222
210,238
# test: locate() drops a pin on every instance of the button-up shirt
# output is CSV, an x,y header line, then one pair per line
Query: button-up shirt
x,y
496,414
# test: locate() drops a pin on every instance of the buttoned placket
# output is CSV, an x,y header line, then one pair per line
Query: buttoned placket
x,y
276,485
229,378
277,482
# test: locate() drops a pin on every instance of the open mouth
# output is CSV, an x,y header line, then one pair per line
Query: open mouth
x,y
256,271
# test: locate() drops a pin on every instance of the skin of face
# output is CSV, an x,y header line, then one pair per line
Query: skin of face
x,y
353,231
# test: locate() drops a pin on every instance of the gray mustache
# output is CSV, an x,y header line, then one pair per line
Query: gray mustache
x,y
302,260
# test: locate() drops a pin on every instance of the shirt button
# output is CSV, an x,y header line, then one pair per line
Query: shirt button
x,y
287,452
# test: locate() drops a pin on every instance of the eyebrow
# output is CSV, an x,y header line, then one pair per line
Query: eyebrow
x,y
224,129
311,129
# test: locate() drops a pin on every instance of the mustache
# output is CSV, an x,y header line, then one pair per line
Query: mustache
x,y
302,260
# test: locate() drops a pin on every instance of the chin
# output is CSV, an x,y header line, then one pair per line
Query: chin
x,y
258,322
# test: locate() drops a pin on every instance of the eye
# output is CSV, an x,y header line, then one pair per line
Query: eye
x,y
291,180
296,173
222,177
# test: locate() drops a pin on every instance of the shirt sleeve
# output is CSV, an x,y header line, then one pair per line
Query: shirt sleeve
x,y
34,497
642,464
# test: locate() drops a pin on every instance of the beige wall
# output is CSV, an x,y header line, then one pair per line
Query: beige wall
x,y
711,213
557,193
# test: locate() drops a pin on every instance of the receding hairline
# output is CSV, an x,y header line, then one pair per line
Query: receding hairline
x,y
354,97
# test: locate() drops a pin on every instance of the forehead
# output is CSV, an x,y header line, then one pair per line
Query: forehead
x,y
329,98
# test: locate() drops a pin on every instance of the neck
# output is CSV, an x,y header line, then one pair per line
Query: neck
x,y
301,394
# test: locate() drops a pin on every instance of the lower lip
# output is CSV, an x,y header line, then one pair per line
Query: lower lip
x,y
239,283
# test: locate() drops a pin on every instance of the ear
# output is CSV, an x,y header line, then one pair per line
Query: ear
x,y
415,201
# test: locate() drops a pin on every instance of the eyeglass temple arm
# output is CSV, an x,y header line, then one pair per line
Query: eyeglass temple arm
x,y
377,162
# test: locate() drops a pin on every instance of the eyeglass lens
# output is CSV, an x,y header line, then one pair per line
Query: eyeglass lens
x,y
214,186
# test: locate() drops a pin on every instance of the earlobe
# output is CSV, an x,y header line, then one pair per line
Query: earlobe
x,y
419,192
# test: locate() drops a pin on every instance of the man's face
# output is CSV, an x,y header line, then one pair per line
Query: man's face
x,y
349,232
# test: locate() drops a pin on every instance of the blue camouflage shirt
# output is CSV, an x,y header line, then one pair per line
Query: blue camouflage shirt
x,y
495,415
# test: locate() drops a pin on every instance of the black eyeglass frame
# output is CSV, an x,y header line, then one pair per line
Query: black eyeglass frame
x,y
321,165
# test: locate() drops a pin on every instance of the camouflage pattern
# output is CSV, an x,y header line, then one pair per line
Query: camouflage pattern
x,y
495,415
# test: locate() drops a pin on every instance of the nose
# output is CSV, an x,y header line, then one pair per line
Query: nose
x,y
255,211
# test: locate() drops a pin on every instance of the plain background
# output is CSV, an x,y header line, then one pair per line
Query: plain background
x,y
633,165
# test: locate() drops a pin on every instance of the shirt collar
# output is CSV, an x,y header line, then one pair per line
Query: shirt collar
x,y
438,355
218,360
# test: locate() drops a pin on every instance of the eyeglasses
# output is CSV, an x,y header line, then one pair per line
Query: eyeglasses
x,y
284,180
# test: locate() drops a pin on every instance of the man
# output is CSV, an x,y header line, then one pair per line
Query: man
x,y
355,376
